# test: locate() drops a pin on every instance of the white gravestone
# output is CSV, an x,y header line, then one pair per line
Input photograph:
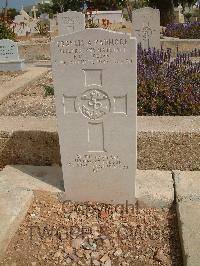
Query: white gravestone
x,y
9,56
53,25
70,21
20,26
96,96
146,27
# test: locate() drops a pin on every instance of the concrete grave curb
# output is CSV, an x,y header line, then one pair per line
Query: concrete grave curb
x,y
187,185
187,192
189,229
153,188
14,205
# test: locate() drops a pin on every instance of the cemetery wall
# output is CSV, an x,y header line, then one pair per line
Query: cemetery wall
x,y
165,143
41,51
184,45
34,52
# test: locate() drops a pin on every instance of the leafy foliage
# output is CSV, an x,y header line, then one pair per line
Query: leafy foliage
x,y
45,8
42,28
109,4
64,5
183,31
166,8
6,32
49,90
12,12
168,86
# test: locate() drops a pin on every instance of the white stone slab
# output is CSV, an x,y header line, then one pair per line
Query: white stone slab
x,y
9,56
33,26
70,21
146,27
53,25
96,97
20,26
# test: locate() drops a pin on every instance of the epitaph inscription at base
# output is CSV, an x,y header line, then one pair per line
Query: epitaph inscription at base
x,y
95,89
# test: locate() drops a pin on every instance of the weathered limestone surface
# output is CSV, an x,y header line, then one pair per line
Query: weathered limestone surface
x,y
187,185
14,205
154,188
189,224
187,192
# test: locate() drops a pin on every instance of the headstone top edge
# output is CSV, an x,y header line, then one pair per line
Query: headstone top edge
x,y
82,32
108,12
155,10
69,12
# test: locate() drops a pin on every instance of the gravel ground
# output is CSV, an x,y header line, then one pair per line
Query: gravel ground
x,y
54,233
7,76
31,101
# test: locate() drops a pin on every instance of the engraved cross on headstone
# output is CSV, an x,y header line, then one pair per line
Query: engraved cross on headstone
x,y
145,33
34,11
94,104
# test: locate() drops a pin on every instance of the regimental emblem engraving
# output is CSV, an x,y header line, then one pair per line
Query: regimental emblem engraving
x,y
94,104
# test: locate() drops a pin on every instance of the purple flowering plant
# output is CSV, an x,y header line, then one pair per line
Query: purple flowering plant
x,y
166,85
190,30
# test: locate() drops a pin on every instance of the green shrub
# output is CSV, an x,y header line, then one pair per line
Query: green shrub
x,y
42,27
49,90
6,32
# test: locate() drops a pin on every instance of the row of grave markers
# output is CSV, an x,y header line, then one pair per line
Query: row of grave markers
x,y
146,29
146,25
95,81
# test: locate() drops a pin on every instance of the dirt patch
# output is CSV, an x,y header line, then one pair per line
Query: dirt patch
x,y
30,101
7,76
54,233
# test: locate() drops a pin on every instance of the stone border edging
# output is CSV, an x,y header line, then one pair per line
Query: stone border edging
x,y
187,196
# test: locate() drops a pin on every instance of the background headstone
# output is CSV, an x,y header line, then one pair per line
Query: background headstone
x,y
20,26
44,16
179,17
33,26
146,27
70,21
9,56
96,100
